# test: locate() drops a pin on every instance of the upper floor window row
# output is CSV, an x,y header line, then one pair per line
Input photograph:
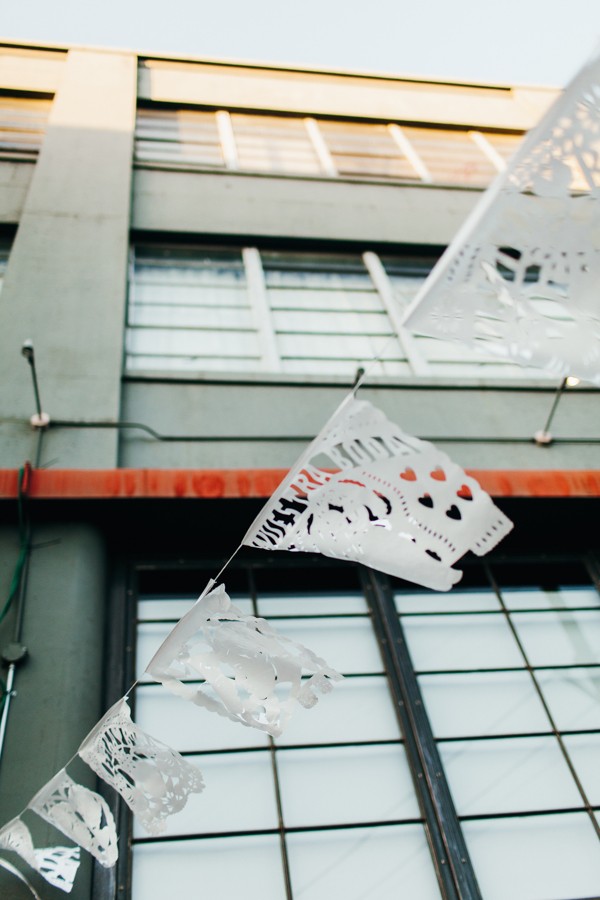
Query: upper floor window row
x,y
248,310
22,125
321,147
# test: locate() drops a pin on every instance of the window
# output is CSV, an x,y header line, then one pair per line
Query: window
x,y
248,310
274,144
501,681
178,136
22,125
509,671
366,150
451,157
294,145
329,805
4,254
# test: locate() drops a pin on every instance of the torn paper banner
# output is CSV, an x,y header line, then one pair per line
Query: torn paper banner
x,y
251,674
154,780
520,280
58,865
80,814
367,492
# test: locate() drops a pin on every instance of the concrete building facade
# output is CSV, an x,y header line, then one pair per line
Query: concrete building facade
x,y
203,254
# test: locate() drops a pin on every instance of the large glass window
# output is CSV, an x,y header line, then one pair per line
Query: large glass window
x,y
330,803
274,144
244,309
509,672
338,801
178,136
22,125
294,145
366,150
190,309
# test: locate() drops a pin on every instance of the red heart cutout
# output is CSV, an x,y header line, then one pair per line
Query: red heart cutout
x,y
464,492
438,473
408,474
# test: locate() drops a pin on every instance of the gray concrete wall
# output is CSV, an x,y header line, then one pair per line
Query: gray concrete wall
x,y
30,69
15,178
233,203
59,687
321,93
65,284
297,412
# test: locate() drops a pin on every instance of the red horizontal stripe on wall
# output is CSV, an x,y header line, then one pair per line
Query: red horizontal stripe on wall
x,y
73,484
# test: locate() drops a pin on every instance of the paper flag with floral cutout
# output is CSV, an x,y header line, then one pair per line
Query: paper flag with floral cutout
x,y
367,492
251,673
58,865
520,280
154,780
80,814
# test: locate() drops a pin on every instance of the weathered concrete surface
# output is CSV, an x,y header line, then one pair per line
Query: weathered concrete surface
x,y
65,284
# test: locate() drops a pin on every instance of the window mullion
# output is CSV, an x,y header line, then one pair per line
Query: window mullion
x,y
490,151
259,301
320,147
382,284
411,154
448,848
227,139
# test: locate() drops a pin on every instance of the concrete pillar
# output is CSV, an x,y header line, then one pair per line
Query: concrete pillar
x,y
65,284
59,687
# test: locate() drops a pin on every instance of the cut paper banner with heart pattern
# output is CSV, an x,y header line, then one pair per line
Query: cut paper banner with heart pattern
x,y
251,673
154,780
58,865
367,492
520,279
80,814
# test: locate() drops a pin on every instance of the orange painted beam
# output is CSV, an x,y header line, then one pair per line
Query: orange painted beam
x,y
78,484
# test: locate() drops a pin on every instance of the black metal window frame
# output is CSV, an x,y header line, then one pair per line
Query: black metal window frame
x,y
454,870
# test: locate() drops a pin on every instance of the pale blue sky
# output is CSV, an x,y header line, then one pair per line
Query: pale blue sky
x,y
520,41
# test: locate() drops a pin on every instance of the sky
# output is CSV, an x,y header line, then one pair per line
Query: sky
x,y
515,41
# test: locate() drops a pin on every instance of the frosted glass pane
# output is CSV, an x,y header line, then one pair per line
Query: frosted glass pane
x,y
351,346
560,638
565,598
341,367
149,638
164,608
182,868
379,863
174,608
155,315
239,796
348,645
174,363
192,342
345,784
461,642
584,750
326,322
573,696
359,709
315,299
500,776
318,271
535,857
186,727
452,601
312,604
482,704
